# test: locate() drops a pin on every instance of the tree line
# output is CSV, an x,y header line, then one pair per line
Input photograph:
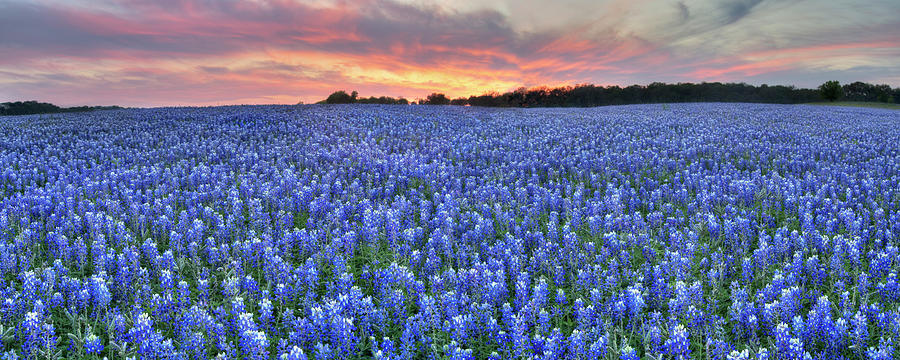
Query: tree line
x,y
583,95
342,97
586,95
34,107
859,91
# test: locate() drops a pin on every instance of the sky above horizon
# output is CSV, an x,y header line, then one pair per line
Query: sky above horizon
x,y
217,52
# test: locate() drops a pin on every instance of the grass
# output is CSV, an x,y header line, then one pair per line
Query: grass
x,y
879,105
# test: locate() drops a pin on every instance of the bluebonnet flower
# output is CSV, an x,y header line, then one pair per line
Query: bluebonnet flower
x,y
628,353
31,333
762,354
678,345
599,348
455,352
253,342
560,297
460,327
10,355
385,350
194,343
739,355
93,345
795,349
718,349
884,351
860,326
654,340
100,293
577,346
296,353
418,233
265,312
635,301
143,335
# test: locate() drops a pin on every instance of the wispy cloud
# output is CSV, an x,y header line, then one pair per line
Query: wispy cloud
x,y
147,53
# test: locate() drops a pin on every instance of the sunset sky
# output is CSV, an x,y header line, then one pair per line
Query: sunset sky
x,y
209,52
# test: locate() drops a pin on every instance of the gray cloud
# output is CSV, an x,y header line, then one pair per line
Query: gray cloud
x,y
420,35
213,69
616,41
737,9
683,12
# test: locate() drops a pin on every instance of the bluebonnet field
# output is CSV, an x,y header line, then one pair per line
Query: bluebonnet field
x,y
704,231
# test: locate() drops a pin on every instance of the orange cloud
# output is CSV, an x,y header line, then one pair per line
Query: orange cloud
x,y
215,52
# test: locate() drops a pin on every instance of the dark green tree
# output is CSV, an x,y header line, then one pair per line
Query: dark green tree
x,y
341,97
831,90
883,93
34,107
459,101
437,99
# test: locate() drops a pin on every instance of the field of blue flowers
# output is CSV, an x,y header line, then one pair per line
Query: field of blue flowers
x,y
693,231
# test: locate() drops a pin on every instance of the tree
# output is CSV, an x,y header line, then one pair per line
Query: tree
x,y
831,90
437,99
34,107
340,97
657,92
459,101
882,93
859,91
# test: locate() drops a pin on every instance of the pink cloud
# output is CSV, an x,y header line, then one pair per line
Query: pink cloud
x,y
774,60
191,51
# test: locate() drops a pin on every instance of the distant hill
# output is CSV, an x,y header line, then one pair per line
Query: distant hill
x,y
34,107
